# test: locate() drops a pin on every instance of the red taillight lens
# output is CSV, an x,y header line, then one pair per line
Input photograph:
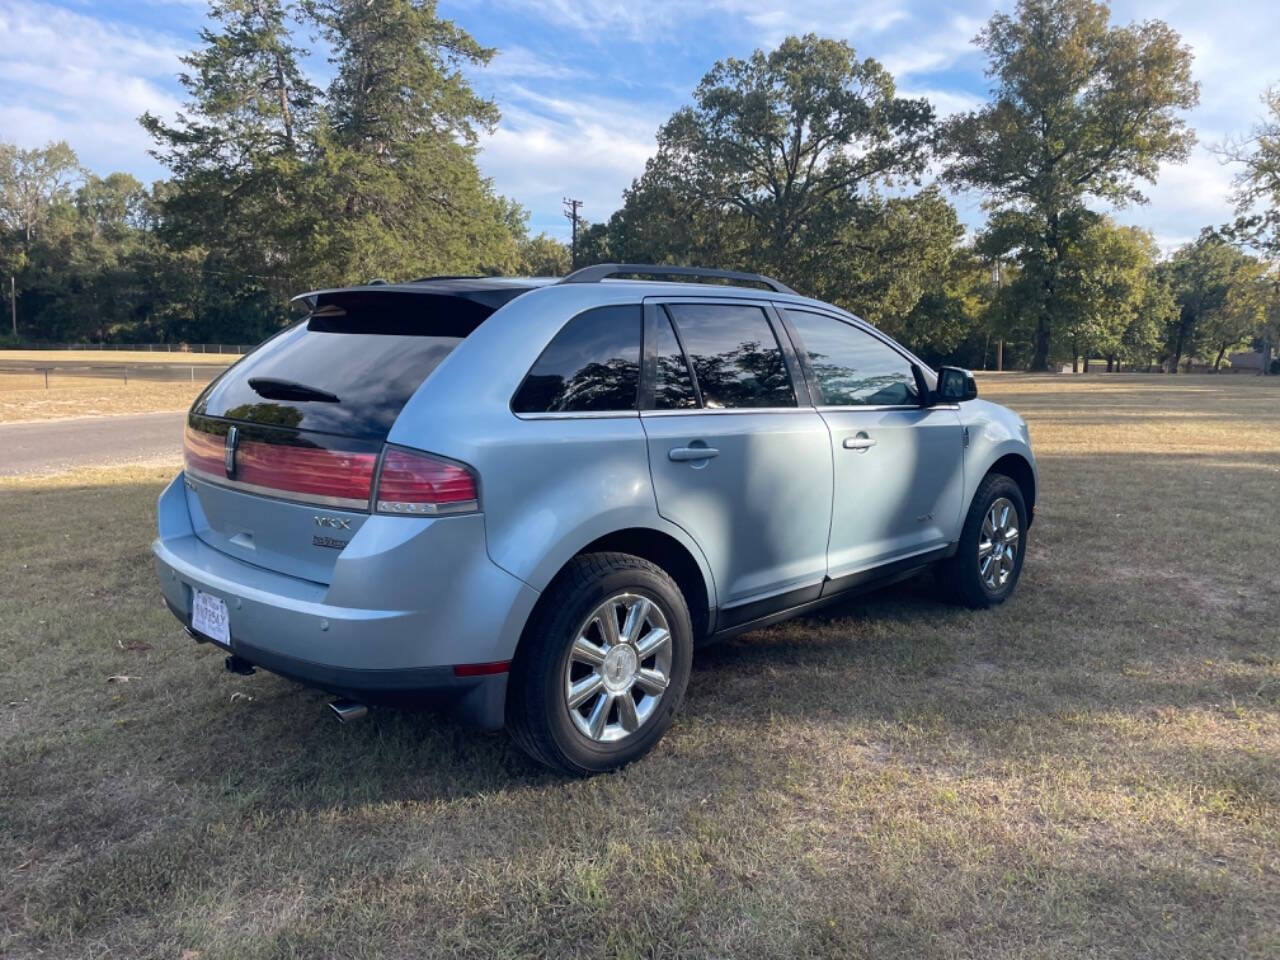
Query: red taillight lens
x,y
292,469
413,483
336,477
204,453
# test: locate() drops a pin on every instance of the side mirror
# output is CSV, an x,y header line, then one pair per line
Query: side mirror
x,y
955,385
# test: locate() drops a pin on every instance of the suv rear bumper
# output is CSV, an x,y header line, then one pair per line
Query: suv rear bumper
x,y
430,599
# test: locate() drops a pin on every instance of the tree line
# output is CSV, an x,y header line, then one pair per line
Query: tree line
x,y
802,162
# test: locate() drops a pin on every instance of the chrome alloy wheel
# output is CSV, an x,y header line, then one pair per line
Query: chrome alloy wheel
x,y
618,668
998,544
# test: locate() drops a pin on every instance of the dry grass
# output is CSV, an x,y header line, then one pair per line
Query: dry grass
x,y
23,396
118,356
1091,770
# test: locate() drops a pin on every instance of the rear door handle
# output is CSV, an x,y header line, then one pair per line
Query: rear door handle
x,y
681,454
860,442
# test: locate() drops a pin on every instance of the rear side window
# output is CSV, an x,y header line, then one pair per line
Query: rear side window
x,y
672,385
851,367
736,359
347,370
592,365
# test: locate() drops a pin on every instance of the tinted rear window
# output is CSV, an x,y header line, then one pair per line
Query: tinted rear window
x,y
368,361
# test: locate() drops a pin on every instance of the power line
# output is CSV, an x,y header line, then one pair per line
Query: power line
x,y
571,208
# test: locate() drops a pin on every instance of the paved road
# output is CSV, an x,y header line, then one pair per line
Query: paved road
x,y
46,447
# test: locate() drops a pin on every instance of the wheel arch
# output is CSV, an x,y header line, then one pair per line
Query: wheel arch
x,y
1018,469
667,552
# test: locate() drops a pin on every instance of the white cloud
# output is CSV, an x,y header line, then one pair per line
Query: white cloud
x,y
65,75
602,21
521,62
548,147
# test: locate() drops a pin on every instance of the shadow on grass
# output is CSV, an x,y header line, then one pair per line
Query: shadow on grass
x,y
186,791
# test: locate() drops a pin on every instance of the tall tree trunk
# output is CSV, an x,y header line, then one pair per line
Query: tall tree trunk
x,y
1218,362
1086,364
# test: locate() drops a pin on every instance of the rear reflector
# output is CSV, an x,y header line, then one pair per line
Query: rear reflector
x,y
481,669
413,483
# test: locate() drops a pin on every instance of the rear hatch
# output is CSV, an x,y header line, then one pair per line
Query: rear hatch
x,y
281,450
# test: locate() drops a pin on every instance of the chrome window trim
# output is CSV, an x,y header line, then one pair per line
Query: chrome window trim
x,y
288,496
855,408
578,415
723,411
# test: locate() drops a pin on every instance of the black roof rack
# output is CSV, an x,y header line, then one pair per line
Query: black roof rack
x,y
602,271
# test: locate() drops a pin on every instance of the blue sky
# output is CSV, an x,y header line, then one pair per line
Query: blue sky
x,y
584,84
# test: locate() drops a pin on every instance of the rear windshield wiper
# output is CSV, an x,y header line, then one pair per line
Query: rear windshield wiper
x,y
273,389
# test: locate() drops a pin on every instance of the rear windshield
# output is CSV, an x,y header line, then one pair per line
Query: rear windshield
x,y
349,373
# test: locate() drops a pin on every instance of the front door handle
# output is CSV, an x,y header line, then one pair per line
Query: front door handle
x,y
682,454
861,442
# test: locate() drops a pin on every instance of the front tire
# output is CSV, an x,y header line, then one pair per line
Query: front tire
x,y
603,665
993,542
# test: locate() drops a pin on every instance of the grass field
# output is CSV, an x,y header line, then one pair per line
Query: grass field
x,y
1091,770
23,396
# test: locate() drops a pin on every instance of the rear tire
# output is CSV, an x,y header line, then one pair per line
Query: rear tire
x,y
625,699
993,543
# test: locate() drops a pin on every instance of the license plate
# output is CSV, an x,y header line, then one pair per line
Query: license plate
x,y
209,616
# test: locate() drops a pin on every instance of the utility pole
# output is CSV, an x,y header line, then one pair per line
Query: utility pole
x,y
571,208
13,307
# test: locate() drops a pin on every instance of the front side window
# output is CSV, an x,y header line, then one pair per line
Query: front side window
x,y
735,356
592,365
850,366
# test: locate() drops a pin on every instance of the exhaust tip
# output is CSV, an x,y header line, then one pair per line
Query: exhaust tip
x,y
348,711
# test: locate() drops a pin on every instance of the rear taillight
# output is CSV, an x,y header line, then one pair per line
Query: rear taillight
x,y
204,453
418,484
310,471
335,477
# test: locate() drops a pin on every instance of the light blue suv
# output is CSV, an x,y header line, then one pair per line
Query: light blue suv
x,y
531,499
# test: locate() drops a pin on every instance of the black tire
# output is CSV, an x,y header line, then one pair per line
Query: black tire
x,y
959,575
537,715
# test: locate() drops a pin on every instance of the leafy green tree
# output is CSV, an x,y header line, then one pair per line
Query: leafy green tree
x,y
1080,110
780,165
238,149
396,191
1201,275
1243,313
773,156
1258,205
1258,181
543,256
1102,287
1155,310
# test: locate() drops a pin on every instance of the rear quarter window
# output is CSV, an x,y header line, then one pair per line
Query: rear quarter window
x,y
591,366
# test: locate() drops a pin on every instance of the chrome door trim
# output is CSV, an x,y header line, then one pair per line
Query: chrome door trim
x,y
578,415
722,411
